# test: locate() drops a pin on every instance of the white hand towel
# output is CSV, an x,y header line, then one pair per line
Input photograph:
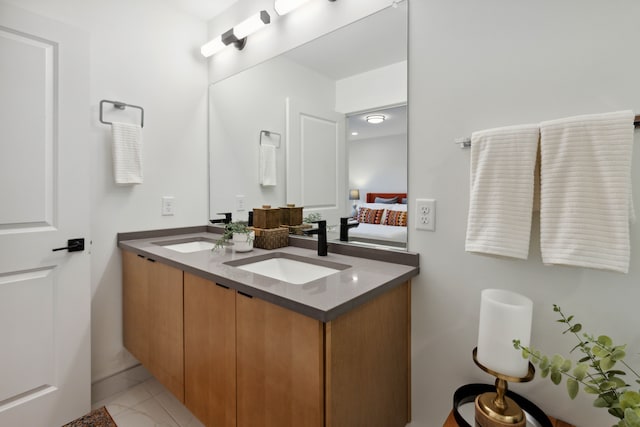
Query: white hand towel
x,y
501,195
585,200
127,153
268,169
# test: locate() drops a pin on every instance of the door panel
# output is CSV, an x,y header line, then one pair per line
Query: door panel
x,y
26,161
210,351
319,146
316,160
279,367
26,299
44,295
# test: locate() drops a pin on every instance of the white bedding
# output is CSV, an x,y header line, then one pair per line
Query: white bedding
x,y
386,233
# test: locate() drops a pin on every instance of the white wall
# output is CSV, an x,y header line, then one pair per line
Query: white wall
x,y
378,164
381,87
476,65
146,54
241,106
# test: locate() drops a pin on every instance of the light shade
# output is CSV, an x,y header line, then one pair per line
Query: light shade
x,y
354,194
213,47
236,35
283,7
375,118
251,24
504,316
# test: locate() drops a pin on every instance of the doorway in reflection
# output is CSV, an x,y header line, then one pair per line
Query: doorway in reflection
x,y
377,168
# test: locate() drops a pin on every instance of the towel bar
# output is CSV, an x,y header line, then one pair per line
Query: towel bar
x,y
121,106
466,141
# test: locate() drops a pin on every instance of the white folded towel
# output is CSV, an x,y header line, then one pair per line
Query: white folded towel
x,y
501,197
127,153
585,200
268,169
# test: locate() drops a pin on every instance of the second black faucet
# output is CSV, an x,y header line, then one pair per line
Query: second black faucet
x,y
321,231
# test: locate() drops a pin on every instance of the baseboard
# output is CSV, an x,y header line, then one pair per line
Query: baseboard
x,y
118,382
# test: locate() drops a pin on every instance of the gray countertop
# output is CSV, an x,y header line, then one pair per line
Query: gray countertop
x,y
322,299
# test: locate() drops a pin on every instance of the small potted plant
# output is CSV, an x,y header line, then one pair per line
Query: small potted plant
x,y
240,234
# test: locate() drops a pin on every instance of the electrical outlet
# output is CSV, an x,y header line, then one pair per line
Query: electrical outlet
x,y
426,214
168,205
239,202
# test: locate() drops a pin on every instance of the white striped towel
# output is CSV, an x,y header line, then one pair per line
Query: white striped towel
x,y
127,153
501,195
268,171
585,200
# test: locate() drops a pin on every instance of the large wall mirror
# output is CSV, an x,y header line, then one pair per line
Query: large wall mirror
x,y
294,130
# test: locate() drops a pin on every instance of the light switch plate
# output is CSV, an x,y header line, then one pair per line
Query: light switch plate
x,y
239,202
168,205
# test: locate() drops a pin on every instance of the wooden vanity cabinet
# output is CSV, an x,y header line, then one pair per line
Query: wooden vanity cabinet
x,y
153,318
248,362
210,351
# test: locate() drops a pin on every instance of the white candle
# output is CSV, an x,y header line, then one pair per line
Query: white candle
x,y
504,316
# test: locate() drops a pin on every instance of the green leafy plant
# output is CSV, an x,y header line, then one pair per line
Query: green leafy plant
x,y
595,371
233,228
312,217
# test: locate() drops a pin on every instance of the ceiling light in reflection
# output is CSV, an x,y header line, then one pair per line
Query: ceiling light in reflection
x,y
374,119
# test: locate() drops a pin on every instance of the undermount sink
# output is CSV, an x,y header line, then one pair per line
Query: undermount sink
x,y
188,246
289,268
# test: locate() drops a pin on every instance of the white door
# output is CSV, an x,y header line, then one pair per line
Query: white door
x,y
316,160
44,201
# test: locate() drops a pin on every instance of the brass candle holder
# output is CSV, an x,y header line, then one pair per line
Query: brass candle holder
x,y
496,409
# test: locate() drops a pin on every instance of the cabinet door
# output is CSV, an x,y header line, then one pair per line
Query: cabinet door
x,y
166,343
279,366
210,351
368,363
135,303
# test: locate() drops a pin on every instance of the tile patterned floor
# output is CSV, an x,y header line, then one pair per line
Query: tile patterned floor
x,y
147,404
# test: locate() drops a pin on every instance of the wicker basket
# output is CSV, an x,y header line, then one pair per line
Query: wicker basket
x,y
271,238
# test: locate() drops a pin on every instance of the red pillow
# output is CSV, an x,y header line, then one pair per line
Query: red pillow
x,y
370,216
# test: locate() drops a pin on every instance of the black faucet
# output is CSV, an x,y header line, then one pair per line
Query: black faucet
x,y
344,228
225,220
321,231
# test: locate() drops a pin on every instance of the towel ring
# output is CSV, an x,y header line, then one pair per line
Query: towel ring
x,y
121,106
269,133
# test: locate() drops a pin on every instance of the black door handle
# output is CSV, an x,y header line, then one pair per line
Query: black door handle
x,y
73,245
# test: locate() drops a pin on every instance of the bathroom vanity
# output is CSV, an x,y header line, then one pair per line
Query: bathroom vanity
x,y
241,348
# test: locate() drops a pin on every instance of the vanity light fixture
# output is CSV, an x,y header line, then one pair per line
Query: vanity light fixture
x,y
354,133
237,35
374,119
